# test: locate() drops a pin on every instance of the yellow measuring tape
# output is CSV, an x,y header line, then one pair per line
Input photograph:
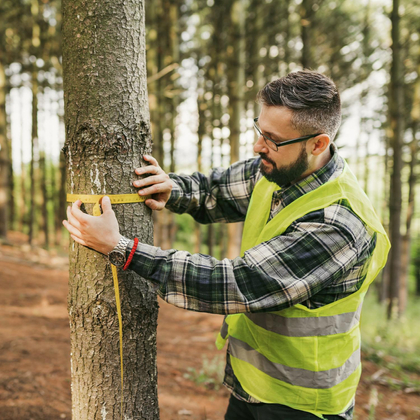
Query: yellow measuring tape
x,y
115,199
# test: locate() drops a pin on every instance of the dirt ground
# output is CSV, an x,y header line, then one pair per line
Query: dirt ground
x,y
35,346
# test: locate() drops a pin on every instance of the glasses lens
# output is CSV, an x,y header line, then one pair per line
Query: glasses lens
x,y
269,143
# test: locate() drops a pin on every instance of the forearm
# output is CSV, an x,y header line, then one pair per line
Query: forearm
x,y
202,283
311,263
223,196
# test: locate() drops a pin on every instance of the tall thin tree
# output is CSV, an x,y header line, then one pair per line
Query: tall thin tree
x,y
4,161
397,125
236,88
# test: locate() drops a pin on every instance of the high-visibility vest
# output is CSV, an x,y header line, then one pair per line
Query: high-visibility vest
x,y
307,359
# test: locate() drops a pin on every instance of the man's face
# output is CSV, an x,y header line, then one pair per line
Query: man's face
x,y
290,162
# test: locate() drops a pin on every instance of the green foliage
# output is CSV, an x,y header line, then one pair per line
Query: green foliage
x,y
184,232
210,375
394,343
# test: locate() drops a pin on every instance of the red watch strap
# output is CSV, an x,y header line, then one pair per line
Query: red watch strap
x,y
130,257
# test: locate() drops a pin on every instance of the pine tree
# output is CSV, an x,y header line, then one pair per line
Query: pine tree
x,y
107,133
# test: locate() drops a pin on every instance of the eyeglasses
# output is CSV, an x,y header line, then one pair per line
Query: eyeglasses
x,y
274,145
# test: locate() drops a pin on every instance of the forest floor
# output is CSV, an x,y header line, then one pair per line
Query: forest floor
x,y
35,347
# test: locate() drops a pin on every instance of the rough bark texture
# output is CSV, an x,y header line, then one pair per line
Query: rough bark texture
x,y
107,132
397,124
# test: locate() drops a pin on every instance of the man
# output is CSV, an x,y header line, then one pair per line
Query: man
x,y
311,246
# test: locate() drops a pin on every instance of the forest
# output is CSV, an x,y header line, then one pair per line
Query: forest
x,y
206,60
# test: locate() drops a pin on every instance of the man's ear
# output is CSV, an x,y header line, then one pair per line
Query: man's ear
x,y
320,144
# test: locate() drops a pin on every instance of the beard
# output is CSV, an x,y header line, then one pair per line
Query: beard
x,y
285,175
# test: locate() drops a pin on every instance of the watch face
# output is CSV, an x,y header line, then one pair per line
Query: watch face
x,y
117,258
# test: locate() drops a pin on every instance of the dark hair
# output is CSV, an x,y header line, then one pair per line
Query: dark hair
x,y
313,98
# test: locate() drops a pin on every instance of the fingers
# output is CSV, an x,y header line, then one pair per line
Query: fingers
x,y
152,168
152,179
149,169
77,213
151,159
78,240
106,204
71,219
154,189
72,230
154,205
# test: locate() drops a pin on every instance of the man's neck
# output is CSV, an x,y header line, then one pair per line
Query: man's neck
x,y
317,165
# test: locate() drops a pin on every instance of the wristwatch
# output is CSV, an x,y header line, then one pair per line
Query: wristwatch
x,y
117,256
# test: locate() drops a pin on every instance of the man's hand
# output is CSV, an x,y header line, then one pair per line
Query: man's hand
x,y
160,184
100,233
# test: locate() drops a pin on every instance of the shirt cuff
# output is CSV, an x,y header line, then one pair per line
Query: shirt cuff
x,y
129,248
143,258
175,194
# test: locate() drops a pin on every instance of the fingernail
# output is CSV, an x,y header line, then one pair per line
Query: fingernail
x,y
106,198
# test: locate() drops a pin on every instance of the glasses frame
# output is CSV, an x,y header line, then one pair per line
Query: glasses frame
x,y
283,143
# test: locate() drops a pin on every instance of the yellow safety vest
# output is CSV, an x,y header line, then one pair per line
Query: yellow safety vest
x,y
307,359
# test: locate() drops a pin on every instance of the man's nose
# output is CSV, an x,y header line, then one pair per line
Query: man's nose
x,y
260,146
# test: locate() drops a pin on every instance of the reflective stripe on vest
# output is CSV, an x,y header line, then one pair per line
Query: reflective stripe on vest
x,y
295,376
304,327
307,359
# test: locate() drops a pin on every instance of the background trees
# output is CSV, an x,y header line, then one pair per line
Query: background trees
x,y
206,60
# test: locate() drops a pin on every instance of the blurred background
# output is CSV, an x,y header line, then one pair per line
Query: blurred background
x,y
206,61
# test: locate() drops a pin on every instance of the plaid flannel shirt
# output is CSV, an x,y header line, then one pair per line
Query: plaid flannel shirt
x,y
320,258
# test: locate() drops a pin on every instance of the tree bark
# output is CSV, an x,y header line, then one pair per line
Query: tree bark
x,y
107,133
397,125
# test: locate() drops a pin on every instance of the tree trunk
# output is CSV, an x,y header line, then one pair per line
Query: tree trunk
x,y
201,106
306,15
43,170
11,175
397,124
236,104
406,240
173,104
62,203
107,133
34,151
22,212
4,163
